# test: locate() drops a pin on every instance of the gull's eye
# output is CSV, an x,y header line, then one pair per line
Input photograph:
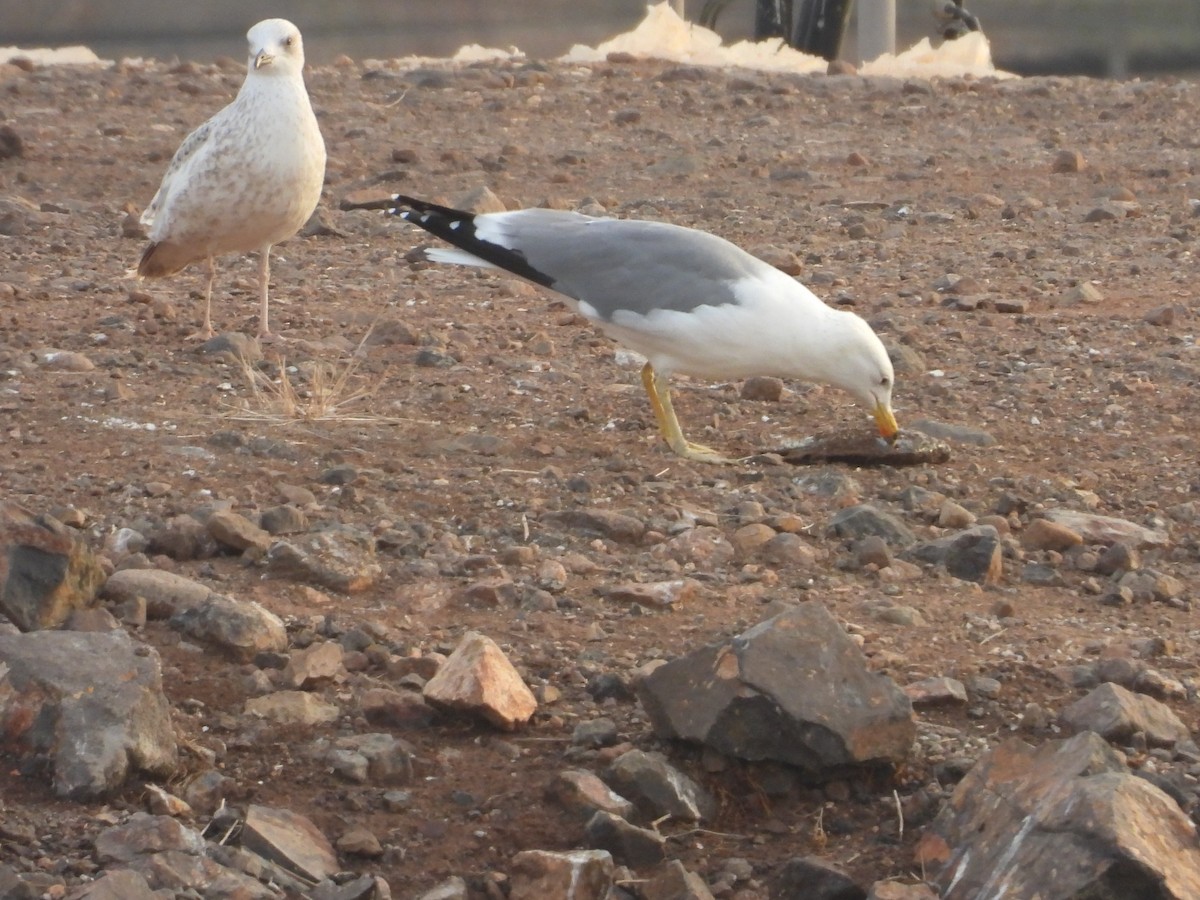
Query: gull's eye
x,y
884,381
289,42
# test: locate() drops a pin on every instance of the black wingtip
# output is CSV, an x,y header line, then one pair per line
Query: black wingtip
x,y
457,228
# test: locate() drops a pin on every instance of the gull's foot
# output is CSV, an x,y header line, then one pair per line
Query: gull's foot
x,y
201,334
270,337
700,453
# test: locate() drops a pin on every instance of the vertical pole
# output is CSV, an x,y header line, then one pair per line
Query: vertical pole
x,y
820,25
1116,59
772,18
876,28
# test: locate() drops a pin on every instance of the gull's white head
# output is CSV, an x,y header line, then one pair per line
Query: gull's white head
x,y
861,365
275,48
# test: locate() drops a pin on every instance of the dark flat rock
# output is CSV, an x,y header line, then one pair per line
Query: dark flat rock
x,y
911,448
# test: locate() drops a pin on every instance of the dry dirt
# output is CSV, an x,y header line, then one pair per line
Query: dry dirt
x,y
880,188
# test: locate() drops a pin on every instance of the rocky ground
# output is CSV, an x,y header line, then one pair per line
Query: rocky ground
x,y
1026,248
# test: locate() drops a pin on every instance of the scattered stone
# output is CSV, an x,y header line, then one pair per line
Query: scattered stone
x,y
974,554
1066,814
1068,161
240,629
938,691
364,887
290,840
453,888
704,547
1119,557
864,520
389,760
359,841
788,551
584,794
599,523
146,834
674,882
1112,211
795,688
895,890
595,733
1084,292
657,788
629,845
285,519
91,704
1160,685
232,347
396,709
293,708
910,448
1043,534
1148,585
118,884
45,573
477,678
814,879
1096,529
237,532
183,538
1116,714
340,559
957,434
578,875
316,663
872,550
763,388
12,145
64,361
163,803
164,593
656,594
749,539
954,515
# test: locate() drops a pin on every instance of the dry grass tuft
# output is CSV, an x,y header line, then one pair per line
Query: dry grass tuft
x,y
325,392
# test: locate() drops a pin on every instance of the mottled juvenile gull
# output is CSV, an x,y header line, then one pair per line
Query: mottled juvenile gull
x,y
247,178
689,301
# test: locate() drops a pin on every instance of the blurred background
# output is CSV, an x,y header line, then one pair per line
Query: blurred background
x,y
1111,38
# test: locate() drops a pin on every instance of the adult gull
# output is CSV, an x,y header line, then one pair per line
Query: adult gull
x,y
247,178
688,301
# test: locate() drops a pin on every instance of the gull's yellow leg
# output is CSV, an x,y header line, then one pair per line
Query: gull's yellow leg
x,y
668,423
206,329
264,280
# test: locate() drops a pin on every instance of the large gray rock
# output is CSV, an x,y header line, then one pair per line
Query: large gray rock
x,y
1095,529
629,845
146,834
1065,821
812,878
973,554
794,688
92,703
1116,714
44,572
165,593
578,874
290,840
863,520
657,788
339,558
240,629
